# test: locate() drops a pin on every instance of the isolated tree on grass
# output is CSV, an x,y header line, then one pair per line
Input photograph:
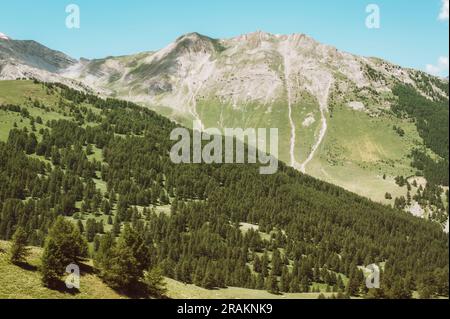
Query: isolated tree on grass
x,y
122,271
208,281
123,263
285,279
356,280
272,285
19,251
64,245
154,281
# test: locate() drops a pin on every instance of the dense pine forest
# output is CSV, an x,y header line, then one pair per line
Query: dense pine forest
x,y
431,119
95,180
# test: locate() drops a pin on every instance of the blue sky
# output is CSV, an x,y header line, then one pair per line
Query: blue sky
x,y
411,34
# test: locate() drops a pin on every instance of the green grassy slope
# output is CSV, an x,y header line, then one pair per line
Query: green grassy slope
x,y
25,283
274,115
359,149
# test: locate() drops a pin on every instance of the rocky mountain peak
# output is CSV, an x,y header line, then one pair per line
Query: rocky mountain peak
x,y
3,36
195,43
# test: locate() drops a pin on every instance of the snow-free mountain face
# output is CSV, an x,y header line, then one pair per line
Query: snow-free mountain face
x,y
331,107
34,55
257,67
29,59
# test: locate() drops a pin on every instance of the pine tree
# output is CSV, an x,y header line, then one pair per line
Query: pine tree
x,y
354,283
260,282
272,285
122,271
64,245
208,280
198,275
265,265
257,264
154,282
123,264
285,280
19,251
276,263
116,226
294,285
96,245
340,284
80,226
90,229
104,252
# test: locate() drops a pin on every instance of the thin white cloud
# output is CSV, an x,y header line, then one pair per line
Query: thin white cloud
x,y
443,15
441,68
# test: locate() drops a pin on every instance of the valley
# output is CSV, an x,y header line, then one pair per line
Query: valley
x,y
100,168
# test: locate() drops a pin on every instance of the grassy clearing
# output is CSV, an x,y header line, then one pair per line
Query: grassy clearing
x,y
251,115
19,92
178,290
23,93
25,283
358,150
245,227
7,120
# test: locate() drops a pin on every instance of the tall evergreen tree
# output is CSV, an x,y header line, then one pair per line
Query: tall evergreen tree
x,y
155,283
19,250
272,285
64,245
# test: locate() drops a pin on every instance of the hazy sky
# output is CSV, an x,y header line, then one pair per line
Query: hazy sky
x,y
412,33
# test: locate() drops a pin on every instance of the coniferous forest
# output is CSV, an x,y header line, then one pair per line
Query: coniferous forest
x,y
97,182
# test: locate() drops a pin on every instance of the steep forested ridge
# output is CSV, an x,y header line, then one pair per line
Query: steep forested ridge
x,y
431,118
105,166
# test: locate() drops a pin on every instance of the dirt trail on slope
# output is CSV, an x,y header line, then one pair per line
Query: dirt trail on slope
x,y
323,103
195,82
193,103
287,72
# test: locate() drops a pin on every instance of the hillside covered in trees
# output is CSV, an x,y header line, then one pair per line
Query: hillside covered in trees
x,y
103,166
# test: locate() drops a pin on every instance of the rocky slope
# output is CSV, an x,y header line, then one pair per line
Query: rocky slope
x,y
257,67
30,59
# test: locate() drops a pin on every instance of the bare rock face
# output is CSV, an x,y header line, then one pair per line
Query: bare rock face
x,y
33,54
257,67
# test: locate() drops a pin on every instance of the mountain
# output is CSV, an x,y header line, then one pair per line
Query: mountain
x,y
33,54
30,59
334,110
